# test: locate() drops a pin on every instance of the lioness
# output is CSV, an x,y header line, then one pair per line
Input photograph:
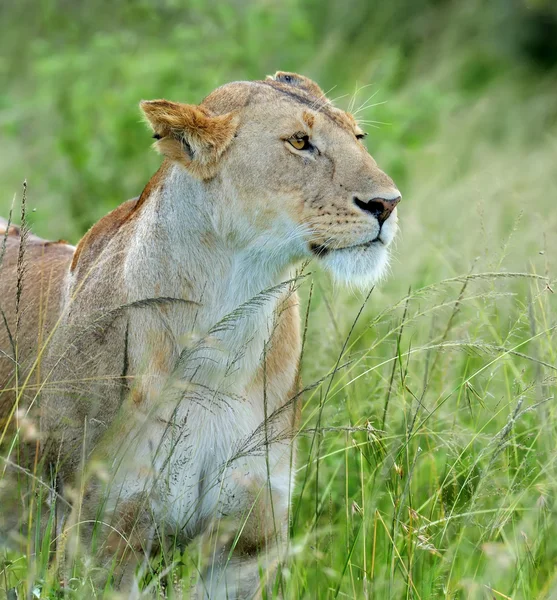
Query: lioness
x,y
171,333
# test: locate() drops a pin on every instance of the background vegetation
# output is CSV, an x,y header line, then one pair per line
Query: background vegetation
x,y
428,463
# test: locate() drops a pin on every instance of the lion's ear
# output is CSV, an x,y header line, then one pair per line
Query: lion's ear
x,y
189,134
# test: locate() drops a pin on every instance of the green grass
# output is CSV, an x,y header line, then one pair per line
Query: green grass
x,y
427,464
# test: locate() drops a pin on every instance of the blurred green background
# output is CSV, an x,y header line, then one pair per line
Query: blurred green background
x,y
445,486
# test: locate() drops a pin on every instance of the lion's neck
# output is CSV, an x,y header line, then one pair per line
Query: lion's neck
x,y
184,247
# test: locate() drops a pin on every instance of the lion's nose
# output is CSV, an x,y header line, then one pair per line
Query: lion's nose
x,y
380,208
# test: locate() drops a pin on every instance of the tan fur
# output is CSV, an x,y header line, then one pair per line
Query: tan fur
x,y
167,364
309,119
45,267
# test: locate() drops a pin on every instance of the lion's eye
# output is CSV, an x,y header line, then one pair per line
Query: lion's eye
x,y
300,143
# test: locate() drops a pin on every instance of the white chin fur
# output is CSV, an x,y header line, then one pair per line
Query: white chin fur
x,y
360,267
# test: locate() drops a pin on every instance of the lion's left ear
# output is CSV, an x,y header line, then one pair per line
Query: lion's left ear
x,y
189,134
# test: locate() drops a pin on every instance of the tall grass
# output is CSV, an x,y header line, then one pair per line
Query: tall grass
x,y
427,464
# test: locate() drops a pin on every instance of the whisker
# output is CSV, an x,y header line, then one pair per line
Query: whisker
x,y
333,100
322,100
355,94
366,106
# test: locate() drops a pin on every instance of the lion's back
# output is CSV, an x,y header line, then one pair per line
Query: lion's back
x,y
41,285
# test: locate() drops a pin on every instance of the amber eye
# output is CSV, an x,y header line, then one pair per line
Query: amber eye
x,y
300,143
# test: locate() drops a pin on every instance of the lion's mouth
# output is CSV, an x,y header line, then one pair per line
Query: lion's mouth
x,y
321,250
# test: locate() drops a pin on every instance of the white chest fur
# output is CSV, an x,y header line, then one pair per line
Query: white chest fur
x,y
199,445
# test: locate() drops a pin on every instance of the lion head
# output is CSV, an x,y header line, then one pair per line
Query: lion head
x,y
288,169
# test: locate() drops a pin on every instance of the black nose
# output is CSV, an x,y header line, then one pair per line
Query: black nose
x,y
380,208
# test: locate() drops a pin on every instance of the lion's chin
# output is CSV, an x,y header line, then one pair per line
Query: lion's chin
x,y
361,267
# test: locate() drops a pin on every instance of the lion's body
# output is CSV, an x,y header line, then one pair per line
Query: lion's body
x,y
175,360
41,283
